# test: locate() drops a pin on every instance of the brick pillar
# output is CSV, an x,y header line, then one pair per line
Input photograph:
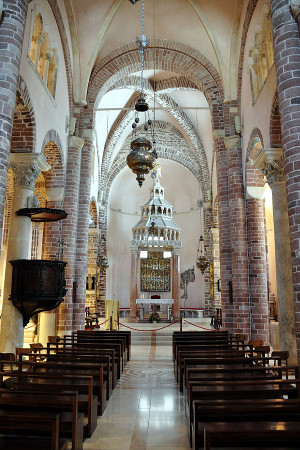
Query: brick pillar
x,y
260,327
83,231
241,310
224,230
287,60
69,232
11,40
26,168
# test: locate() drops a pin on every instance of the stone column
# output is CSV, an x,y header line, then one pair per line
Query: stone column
x,y
13,16
216,262
83,231
287,61
260,327
51,251
176,283
133,285
69,232
270,162
26,168
224,229
241,310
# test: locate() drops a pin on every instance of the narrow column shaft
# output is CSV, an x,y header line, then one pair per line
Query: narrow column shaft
x,y
176,285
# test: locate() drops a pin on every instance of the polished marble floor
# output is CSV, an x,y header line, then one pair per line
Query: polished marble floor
x,y
146,409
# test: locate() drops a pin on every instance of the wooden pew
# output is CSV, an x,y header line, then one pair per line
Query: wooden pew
x,y
29,431
219,361
65,404
54,383
113,350
73,356
210,392
270,434
126,334
71,368
227,374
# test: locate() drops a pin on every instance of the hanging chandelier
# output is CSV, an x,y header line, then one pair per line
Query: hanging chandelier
x,y
202,262
141,160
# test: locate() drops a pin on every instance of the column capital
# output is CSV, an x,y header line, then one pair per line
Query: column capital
x,y
270,162
218,134
77,142
295,9
27,167
255,192
231,141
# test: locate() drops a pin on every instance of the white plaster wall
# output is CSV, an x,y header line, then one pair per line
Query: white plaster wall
x,y
256,115
182,191
49,113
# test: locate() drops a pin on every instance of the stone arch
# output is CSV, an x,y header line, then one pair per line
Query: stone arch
x,y
275,124
24,125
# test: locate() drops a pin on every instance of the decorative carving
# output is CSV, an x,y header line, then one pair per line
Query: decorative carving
x,y
76,142
33,202
25,175
155,273
295,9
231,141
274,171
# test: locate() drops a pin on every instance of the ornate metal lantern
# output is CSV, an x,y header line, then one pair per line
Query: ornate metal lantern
x,y
202,262
140,160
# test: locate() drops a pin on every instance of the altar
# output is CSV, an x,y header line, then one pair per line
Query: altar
x,y
154,301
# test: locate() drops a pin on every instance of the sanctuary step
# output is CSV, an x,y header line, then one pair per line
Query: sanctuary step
x,y
145,338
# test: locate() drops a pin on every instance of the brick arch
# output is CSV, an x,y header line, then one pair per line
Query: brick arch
x,y
275,124
54,177
24,124
170,56
253,176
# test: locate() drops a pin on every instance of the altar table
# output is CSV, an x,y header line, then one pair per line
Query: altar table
x,y
155,301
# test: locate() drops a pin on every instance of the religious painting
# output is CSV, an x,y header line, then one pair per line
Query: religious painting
x,y
155,273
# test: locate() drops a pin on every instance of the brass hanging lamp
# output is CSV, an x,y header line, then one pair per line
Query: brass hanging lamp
x,y
202,262
141,160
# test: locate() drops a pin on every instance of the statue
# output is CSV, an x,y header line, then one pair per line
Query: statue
x,y
186,277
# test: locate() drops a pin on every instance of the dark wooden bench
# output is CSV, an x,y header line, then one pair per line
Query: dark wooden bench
x,y
30,431
54,383
71,368
65,404
94,335
234,377
270,434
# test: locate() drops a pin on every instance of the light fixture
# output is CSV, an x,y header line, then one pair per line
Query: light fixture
x,y
140,160
133,1
202,262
